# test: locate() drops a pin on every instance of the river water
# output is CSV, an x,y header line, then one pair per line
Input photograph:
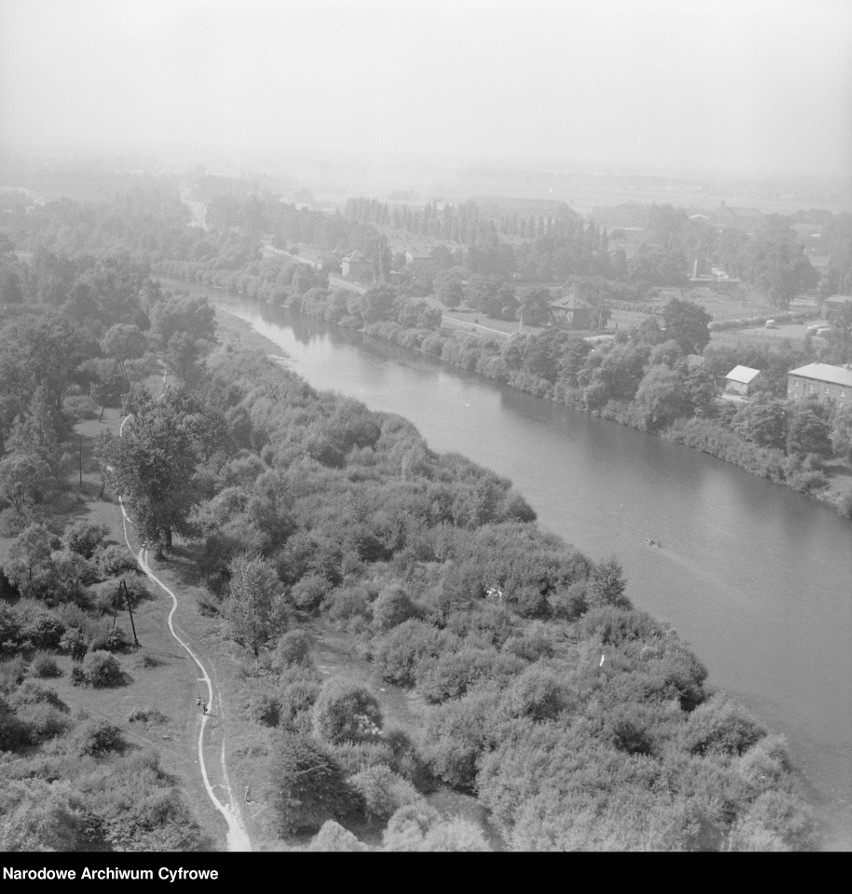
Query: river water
x,y
756,578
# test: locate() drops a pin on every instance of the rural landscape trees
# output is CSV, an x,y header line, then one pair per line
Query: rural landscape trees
x,y
341,566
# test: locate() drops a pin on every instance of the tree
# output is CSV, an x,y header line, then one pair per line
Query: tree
x,y
308,787
661,397
152,465
534,308
255,609
184,328
763,421
346,712
841,431
809,429
123,342
449,289
841,333
24,481
30,567
686,323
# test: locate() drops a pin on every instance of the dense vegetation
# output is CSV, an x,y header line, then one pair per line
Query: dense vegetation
x,y
578,721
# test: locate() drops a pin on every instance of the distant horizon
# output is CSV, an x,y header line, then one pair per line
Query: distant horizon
x,y
91,150
708,87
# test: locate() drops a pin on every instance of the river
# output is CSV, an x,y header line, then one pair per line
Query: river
x,y
755,577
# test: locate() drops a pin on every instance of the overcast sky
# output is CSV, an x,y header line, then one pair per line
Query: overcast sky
x,y
751,85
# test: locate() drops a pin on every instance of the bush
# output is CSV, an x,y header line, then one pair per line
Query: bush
x,y
419,827
115,640
115,560
452,675
44,665
391,608
39,626
97,737
346,712
44,721
101,669
333,838
84,538
265,708
293,648
310,591
74,643
344,603
399,653
720,727
146,714
297,698
382,791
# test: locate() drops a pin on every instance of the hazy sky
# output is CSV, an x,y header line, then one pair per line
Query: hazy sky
x,y
752,85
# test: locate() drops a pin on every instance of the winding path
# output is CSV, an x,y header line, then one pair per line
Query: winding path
x,y
237,838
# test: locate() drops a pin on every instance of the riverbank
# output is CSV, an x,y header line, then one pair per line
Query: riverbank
x,y
472,351
752,576
468,350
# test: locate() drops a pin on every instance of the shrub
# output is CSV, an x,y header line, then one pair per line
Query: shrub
x,y
84,538
344,603
391,608
74,643
398,653
97,737
419,827
776,821
44,665
44,721
382,791
405,760
78,676
346,712
38,625
720,727
114,560
452,675
146,714
333,838
310,591
265,708
101,669
296,698
115,640
615,626
537,693
293,648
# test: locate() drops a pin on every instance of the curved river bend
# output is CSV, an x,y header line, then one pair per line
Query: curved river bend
x,y
757,578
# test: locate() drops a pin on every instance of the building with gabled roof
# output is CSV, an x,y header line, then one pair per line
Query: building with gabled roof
x,y
743,380
820,380
354,264
571,312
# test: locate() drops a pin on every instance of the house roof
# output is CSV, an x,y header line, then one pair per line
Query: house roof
x,y
839,299
570,302
743,374
825,372
355,256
